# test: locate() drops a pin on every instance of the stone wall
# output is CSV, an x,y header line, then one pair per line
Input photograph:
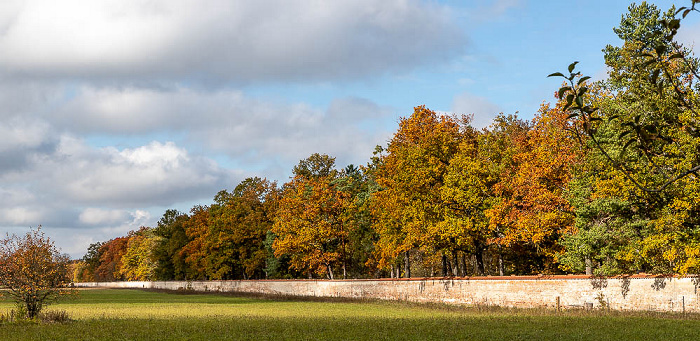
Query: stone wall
x,y
637,292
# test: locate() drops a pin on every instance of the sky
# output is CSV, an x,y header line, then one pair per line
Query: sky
x,y
112,111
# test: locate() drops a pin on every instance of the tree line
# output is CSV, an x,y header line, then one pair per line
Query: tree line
x,y
604,182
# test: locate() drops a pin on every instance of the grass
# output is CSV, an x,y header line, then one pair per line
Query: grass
x,y
144,315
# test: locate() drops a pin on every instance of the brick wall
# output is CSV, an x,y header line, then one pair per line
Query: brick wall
x,y
637,292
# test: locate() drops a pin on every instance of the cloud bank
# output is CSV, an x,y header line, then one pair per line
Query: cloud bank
x,y
223,40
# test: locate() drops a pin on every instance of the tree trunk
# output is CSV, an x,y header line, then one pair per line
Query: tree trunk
x,y
500,265
407,265
330,271
455,264
444,265
500,261
464,265
480,262
589,266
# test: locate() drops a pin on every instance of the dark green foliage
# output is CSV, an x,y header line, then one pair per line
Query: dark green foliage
x,y
170,262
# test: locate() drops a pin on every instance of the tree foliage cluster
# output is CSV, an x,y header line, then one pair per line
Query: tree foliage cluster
x,y
604,182
32,272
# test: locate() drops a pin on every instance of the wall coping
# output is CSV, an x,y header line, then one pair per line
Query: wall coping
x,y
467,278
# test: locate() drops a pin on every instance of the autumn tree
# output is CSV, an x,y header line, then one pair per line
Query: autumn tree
x,y
139,262
532,211
498,146
32,271
309,223
194,252
111,253
409,209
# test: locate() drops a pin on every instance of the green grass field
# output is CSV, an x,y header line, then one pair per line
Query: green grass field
x,y
142,315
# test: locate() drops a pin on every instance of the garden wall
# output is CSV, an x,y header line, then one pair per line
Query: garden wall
x,y
638,292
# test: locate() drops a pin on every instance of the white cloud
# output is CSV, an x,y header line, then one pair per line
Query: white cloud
x,y
154,174
76,184
223,40
75,241
20,215
99,216
483,110
22,133
244,128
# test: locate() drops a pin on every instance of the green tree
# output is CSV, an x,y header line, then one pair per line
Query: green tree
x,y
92,261
655,82
172,238
643,122
316,166
357,185
238,226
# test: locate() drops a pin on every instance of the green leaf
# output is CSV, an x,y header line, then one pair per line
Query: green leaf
x,y
562,90
675,24
572,66
569,99
582,90
676,56
583,79
590,109
572,116
556,74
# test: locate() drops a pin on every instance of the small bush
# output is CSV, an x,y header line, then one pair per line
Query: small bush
x,y
19,313
20,316
14,315
54,316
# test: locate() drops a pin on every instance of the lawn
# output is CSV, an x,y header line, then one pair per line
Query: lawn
x,y
143,315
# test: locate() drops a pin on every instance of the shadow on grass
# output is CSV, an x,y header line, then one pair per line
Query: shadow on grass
x,y
489,327
474,309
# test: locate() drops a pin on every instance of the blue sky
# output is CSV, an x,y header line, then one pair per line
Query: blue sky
x,y
115,110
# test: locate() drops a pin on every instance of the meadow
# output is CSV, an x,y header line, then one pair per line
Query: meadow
x,y
147,315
